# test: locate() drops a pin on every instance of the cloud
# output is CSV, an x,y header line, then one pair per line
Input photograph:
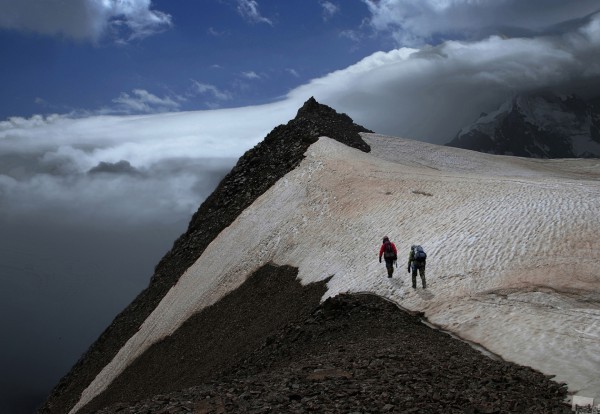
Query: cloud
x,y
414,23
248,9
214,32
351,34
142,101
430,93
426,93
250,75
293,72
122,20
329,9
208,89
173,161
120,167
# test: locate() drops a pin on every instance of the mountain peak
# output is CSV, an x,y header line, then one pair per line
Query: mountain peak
x,y
311,105
536,124
315,110
315,120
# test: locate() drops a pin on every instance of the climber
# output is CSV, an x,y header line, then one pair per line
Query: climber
x,y
389,253
416,260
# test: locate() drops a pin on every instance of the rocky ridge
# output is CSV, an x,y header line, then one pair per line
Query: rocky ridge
x,y
361,354
255,172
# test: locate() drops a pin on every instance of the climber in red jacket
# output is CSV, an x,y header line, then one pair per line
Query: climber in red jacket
x,y
389,253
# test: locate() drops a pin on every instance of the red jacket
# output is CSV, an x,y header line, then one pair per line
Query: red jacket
x,y
382,249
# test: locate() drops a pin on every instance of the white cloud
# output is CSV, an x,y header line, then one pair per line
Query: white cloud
x,y
350,34
208,89
214,32
329,9
84,19
249,11
293,72
142,101
44,162
416,22
250,75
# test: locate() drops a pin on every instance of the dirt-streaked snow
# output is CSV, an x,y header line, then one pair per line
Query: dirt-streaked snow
x,y
512,243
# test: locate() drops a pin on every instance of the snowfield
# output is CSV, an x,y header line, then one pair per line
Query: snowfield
x,y
513,248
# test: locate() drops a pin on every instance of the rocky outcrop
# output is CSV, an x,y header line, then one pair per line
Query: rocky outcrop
x,y
360,353
256,171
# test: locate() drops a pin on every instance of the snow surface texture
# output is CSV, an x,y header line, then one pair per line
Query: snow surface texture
x,y
512,243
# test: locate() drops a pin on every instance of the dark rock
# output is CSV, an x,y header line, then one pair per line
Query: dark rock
x,y
279,381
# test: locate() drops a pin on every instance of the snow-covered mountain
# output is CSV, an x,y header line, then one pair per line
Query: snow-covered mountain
x,y
513,257
536,125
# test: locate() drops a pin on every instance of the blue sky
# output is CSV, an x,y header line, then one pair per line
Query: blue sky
x,y
198,55
119,117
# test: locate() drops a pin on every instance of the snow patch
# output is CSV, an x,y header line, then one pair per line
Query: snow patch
x,y
513,251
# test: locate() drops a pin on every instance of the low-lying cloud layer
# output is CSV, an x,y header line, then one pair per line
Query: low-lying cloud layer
x,y
151,166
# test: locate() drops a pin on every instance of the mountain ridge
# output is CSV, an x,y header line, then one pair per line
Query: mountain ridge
x,y
538,125
255,171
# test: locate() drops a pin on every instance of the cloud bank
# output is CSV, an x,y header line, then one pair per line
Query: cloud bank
x,y
84,19
141,168
413,23
429,93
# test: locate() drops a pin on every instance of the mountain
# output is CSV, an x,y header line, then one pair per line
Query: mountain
x,y
274,298
536,125
255,172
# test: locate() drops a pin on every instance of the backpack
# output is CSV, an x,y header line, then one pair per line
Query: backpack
x,y
388,251
419,254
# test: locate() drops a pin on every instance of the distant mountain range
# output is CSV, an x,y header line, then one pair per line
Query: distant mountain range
x,y
537,125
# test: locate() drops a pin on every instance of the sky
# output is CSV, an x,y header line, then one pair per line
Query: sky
x,y
118,117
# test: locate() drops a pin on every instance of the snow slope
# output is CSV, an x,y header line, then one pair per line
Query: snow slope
x,y
512,243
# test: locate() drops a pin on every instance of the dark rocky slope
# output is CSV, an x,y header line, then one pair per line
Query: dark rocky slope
x,y
256,171
217,338
538,125
360,353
